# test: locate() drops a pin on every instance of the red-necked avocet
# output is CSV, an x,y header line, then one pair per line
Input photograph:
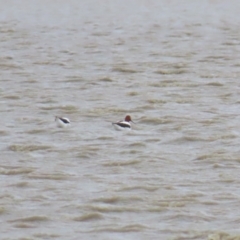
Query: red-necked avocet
x,y
126,124
62,121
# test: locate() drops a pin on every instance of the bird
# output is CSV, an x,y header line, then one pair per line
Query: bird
x,y
126,124
62,121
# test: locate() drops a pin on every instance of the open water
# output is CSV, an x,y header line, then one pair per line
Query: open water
x,y
174,66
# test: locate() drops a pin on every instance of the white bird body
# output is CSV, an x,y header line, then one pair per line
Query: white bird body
x,y
62,122
123,125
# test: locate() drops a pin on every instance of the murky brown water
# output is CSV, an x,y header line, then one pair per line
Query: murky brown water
x,y
174,66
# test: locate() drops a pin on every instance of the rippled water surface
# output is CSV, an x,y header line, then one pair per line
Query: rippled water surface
x,y
173,66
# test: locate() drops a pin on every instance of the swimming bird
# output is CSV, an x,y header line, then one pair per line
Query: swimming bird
x,y
62,121
126,124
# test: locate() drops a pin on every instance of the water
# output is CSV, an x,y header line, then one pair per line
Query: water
x,y
173,66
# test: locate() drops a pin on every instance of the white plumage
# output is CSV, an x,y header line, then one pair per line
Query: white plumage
x,y
62,121
123,125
